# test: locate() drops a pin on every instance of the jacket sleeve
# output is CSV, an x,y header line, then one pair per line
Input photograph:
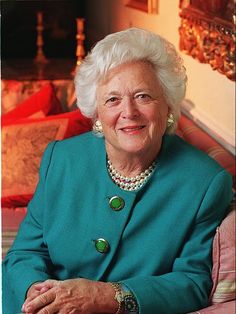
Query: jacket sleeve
x,y
28,261
188,286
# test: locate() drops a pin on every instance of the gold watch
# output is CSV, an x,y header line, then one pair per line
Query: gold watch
x,y
126,300
118,297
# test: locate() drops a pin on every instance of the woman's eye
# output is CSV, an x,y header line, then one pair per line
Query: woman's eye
x,y
112,101
143,97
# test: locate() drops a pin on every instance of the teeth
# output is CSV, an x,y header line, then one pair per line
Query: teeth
x,y
133,129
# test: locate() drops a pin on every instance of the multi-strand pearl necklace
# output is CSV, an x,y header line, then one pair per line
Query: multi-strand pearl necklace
x,y
130,183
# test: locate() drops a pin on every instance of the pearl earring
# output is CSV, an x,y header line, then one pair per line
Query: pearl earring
x,y
97,128
170,120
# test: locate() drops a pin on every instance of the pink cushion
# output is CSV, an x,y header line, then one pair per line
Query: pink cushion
x,y
224,263
222,308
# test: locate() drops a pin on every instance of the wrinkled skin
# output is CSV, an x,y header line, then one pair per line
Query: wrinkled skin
x,y
70,297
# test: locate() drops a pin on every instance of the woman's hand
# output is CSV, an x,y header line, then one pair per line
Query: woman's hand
x,y
70,296
35,290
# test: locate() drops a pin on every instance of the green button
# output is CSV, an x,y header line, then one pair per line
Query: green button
x,y
102,246
116,203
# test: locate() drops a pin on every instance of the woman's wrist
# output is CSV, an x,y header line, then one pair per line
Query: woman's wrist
x,y
105,301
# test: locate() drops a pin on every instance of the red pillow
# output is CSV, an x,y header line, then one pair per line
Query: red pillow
x,y
44,100
23,144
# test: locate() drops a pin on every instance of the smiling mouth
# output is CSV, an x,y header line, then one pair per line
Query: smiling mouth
x,y
132,129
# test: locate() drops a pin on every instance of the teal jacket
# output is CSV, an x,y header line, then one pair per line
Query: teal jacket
x,y
160,242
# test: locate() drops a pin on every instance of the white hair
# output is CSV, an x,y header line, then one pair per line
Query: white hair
x,y
130,45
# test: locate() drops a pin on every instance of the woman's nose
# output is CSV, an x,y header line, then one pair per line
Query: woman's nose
x,y
129,109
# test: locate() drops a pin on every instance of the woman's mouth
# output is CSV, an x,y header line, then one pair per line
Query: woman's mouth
x,y
132,129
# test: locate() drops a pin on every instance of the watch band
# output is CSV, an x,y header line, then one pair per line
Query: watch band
x,y
118,297
130,302
125,298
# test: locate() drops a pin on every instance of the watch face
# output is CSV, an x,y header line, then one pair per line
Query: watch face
x,y
130,303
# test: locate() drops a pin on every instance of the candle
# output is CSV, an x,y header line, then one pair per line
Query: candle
x,y
40,17
80,24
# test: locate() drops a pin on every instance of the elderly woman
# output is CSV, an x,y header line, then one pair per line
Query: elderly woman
x,y
123,217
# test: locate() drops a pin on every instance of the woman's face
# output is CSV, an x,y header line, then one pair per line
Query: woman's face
x,y
132,109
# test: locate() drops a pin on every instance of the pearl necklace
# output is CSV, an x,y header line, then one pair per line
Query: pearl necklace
x,y
130,183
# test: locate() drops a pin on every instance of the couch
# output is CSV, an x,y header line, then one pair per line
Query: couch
x,y
36,118
222,299
33,114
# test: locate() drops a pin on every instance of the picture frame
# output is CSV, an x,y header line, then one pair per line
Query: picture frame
x,y
207,33
148,6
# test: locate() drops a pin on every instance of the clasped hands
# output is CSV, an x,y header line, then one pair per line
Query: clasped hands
x,y
70,296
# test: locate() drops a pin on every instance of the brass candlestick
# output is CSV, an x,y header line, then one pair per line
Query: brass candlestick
x,y
80,53
40,57
80,37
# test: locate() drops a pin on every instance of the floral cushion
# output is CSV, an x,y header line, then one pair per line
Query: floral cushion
x,y
23,143
44,100
15,92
